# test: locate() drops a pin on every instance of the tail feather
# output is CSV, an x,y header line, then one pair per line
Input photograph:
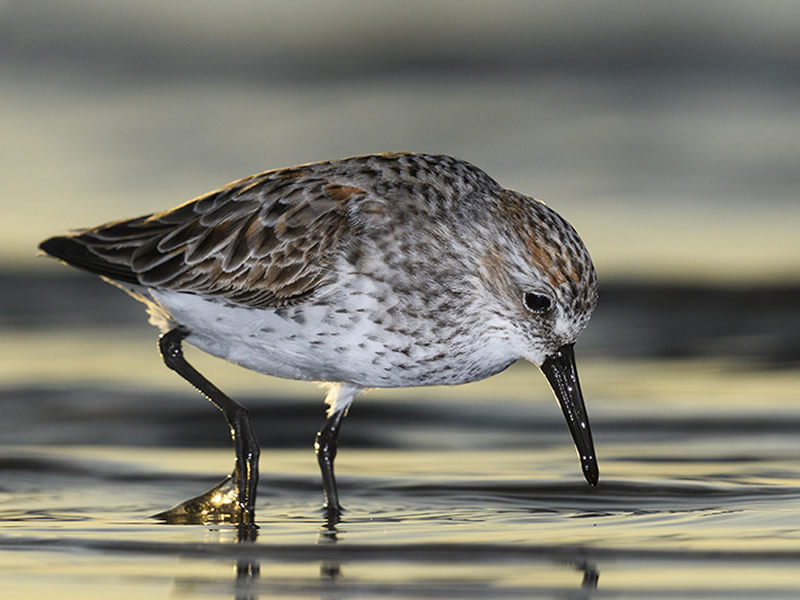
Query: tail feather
x,y
72,251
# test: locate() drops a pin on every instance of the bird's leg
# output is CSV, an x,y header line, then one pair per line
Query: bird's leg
x,y
325,447
235,497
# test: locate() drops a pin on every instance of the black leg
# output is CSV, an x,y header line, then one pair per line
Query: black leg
x,y
325,446
245,472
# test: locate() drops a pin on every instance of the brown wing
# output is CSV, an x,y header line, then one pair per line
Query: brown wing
x,y
264,241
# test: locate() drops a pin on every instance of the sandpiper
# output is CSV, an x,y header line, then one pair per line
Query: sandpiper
x,y
384,270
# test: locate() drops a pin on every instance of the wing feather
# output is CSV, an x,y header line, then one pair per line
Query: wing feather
x,y
265,241
270,239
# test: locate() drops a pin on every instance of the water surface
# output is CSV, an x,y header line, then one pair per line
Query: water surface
x,y
471,492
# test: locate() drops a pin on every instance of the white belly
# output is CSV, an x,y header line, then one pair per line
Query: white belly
x,y
317,343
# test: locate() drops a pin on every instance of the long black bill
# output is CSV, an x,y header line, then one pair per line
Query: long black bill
x,y
560,370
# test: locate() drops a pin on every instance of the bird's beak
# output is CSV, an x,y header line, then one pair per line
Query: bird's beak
x,y
560,370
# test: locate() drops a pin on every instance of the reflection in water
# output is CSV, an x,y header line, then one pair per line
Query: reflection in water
x,y
499,537
330,571
590,577
334,583
217,506
392,571
248,569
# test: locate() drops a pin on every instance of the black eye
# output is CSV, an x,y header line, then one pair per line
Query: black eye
x,y
537,303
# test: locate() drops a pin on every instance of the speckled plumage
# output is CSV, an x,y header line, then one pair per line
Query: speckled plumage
x,y
373,271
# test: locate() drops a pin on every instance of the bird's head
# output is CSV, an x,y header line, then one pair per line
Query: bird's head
x,y
541,278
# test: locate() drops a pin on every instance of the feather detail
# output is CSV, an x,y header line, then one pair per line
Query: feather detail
x,y
263,241
270,240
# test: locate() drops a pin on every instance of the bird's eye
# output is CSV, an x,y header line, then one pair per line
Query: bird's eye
x,y
537,303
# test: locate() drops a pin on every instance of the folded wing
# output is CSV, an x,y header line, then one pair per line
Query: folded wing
x,y
267,240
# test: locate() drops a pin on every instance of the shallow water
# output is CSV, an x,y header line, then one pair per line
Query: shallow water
x,y
681,511
469,492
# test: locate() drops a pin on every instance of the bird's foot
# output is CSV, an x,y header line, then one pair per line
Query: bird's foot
x,y
220,504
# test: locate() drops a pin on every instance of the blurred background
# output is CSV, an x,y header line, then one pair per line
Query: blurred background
x,y
667,133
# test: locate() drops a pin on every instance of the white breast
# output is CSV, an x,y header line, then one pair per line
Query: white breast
x,y
338,339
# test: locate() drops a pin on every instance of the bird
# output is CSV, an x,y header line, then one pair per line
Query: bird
x,y
373,271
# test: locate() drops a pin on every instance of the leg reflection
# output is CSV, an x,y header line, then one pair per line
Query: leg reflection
x,y
248,569
329,570
590,577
